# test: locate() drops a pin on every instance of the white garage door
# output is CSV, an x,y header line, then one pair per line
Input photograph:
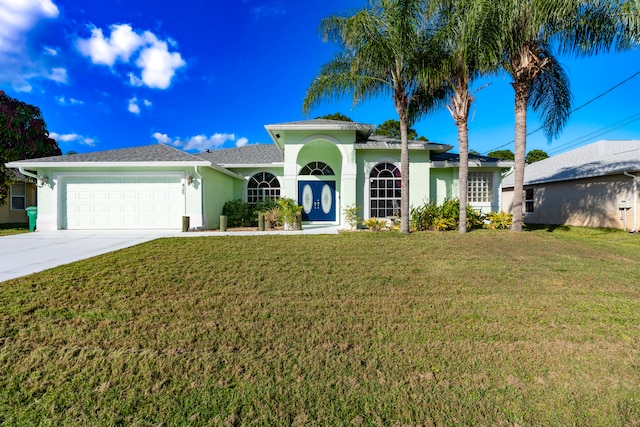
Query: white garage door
x,y
125,202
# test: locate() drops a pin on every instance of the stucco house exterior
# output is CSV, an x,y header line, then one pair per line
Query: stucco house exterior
x,y
324,165
592,186
22,193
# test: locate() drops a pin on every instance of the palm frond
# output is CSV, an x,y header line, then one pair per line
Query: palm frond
x,y
550,95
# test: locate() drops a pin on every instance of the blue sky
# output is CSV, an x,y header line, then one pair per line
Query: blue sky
x,y
202,74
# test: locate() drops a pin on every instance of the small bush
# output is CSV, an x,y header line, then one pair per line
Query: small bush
x,y
237,213
444,217
375,224
499,220
351,214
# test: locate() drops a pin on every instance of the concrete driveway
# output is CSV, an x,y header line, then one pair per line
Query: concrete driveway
x,y
27,253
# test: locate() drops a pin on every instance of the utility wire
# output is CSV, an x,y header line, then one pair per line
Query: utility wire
x,y
602,131
574,110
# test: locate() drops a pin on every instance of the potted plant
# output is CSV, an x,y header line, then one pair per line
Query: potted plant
x,y
288,211
271,217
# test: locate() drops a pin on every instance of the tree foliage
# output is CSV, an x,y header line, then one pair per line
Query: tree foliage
x,y
391,128
501,154
386,48
336,116
23,135
535,156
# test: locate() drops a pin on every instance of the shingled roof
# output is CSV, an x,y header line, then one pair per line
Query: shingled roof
x,y
597,159
381,142
257,154
156,153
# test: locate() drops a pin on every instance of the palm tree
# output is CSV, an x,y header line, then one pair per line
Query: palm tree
x,y
387,48
531,28
469,28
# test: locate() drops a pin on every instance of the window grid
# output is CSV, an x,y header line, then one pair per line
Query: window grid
x,y
18,197
316,168
261,186
480,187
385,191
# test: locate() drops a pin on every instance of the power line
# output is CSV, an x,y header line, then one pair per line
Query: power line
x,y
596,133
574,110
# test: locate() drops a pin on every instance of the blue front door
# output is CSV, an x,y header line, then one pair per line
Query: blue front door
x,y
318,199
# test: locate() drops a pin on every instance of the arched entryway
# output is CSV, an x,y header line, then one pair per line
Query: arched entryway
x,y
320,164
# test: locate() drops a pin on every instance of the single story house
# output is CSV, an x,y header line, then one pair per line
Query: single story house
x,y
22,193
593,186
324,165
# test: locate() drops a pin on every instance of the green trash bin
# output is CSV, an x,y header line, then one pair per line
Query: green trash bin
x,y
32,213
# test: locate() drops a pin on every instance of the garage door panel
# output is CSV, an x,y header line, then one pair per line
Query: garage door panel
x,y
122,202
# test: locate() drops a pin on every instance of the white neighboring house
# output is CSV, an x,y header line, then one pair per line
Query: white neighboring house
x,y
592,186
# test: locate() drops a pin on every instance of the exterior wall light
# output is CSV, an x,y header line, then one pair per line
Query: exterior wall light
x,y
42,181
189,180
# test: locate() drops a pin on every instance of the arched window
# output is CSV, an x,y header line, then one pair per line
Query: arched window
x,y
316,168
261,186
384,193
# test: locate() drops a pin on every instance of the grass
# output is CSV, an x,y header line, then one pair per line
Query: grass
x,y
490,328
13,228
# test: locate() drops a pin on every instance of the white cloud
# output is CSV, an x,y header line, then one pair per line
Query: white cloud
x,y
134,108
200,142
163,138
134,105
71,101
72,137
156,64
18,64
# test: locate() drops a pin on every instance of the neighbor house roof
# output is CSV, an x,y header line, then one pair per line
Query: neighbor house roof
x,y
146,155
597,159
257,154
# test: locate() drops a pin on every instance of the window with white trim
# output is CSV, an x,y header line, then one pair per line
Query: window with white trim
x,y
480,187
316,168
385,182
528,200
18,196
261,186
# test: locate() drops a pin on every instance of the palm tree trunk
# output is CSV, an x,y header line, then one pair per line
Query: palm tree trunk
x,y
404,168
463,173
459,109
521,102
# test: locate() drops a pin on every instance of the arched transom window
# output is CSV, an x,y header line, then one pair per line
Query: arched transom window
x,y
385,184
316,168
261,186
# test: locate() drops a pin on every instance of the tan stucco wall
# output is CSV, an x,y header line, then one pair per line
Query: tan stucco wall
x,y
592,202
9,216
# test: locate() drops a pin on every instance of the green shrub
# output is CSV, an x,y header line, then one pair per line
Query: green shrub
x,y
444,217
499,220
288,211
375,224
351,215
237,213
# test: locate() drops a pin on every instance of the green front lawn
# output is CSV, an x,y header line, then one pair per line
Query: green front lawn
x,y
490,328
